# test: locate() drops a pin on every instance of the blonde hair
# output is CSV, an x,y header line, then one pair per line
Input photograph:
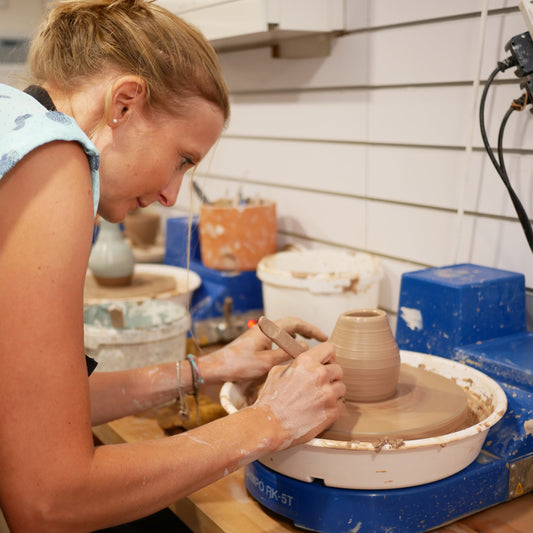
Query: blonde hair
x,y
80,37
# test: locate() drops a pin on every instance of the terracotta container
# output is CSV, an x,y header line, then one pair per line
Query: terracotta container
x,y
368,354
237,237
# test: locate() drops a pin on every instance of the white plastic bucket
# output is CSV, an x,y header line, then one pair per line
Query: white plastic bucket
x,y
154,332
318,285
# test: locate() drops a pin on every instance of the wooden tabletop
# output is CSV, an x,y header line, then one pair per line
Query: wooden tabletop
x,y
226,507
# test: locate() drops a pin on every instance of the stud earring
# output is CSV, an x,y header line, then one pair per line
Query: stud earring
x,y
115,121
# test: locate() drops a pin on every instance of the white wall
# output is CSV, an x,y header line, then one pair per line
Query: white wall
x,y
19,18
366,149
18,22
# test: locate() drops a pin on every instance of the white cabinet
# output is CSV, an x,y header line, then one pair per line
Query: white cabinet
x,y
233,24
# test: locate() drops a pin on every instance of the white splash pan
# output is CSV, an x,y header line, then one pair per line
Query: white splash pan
x,y
362,465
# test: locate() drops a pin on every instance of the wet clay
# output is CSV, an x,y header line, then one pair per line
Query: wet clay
x,y
386,400
368,354
425,405
406,407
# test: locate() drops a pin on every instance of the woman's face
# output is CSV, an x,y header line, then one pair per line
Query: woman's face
x,y
144,158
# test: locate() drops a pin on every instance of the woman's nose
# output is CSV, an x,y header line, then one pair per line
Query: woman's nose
x,y
169,194
167,200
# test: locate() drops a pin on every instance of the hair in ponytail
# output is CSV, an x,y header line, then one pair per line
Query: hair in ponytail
x,y
78,38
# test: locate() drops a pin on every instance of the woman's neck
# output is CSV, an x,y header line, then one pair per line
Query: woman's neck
x,y
85,105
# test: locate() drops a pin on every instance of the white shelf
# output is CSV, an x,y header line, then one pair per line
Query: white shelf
x,y
234,24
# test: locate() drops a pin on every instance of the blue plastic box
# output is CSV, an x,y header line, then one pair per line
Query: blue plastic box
x,y
443,308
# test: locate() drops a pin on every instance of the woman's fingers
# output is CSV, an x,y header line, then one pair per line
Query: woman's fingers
x,y
306,395
294,325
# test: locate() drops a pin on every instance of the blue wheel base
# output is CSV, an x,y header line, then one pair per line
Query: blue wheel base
x,y
316,507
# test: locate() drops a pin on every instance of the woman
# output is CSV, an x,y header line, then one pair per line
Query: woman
x,y
127,99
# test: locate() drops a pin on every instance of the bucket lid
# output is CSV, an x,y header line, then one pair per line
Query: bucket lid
x,y
133,315
321,271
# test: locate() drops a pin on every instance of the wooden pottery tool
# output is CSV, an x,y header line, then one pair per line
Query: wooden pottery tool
x,y
280,337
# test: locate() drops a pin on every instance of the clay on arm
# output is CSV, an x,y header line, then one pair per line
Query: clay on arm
x,y
126,392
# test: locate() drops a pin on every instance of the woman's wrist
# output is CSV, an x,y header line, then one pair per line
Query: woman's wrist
x,y
183,367
189,373
212,368
275,436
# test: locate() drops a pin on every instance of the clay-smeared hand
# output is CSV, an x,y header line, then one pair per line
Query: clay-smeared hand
x,y
304,397
250,356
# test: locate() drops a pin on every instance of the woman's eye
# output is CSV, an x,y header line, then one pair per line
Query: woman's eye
x,y
185,161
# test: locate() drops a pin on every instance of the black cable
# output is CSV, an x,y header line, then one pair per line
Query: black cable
x,y
500,142
500,165
486,143
519,208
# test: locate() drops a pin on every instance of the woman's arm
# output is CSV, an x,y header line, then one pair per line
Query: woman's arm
x,y
126,392
46,212
53,478
250,356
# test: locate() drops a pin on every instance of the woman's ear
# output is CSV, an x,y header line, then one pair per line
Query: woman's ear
x,y
128,96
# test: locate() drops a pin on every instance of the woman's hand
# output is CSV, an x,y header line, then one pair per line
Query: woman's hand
x,y
250,356
306,396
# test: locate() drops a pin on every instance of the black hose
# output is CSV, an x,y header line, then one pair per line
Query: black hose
x,y
486,143
519,208
499,164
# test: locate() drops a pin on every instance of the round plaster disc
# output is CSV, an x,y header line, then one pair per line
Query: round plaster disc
x,y
144,285
425,405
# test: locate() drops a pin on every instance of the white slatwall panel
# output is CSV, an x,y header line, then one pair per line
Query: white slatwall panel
x,y
333,167
421,115
431,177
365,149
430,52
372,13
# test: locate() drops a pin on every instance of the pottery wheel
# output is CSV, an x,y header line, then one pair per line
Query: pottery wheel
x,y
144,285
425,405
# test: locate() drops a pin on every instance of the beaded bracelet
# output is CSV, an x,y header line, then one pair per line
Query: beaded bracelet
x,y
196,381
194,366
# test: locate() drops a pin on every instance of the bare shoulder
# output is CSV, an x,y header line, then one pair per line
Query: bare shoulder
x,y
52,172
48,191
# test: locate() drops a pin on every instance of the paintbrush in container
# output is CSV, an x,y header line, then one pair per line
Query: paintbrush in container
x,y
198,190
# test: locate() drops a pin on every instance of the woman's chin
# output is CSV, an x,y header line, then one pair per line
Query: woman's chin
x,y
114,216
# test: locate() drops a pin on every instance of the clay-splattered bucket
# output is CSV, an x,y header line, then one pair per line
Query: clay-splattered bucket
x,y
318,285
237,237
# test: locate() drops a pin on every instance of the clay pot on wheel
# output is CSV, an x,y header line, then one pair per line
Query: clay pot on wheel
x,y
368,354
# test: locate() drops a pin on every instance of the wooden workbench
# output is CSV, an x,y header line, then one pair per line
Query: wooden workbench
x,y
226,507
